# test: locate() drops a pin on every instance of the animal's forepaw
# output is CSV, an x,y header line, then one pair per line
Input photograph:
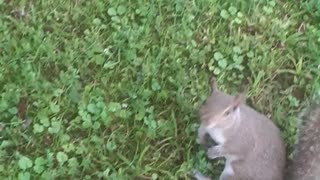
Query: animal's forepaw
x,y
198,140
214,152
195,174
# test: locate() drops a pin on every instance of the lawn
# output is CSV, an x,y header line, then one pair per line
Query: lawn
x,y
111,89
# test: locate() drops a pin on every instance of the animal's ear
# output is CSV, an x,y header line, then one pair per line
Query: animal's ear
x,y
235,104
213,83
240,98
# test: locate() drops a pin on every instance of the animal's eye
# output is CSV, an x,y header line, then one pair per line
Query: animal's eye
x,y
234,108
227,113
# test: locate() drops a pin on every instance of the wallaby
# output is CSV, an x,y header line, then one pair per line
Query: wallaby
x,y
249,141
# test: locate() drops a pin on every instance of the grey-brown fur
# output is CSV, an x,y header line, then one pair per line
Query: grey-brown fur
x,y
306,158
253,144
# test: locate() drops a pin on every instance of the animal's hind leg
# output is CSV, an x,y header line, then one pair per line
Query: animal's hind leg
x,y
228,172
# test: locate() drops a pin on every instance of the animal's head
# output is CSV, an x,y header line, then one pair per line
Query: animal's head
x,y
220,109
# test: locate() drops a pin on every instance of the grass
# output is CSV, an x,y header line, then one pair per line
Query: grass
x,y
110,89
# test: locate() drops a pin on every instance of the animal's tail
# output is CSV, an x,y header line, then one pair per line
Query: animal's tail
x,y
306,156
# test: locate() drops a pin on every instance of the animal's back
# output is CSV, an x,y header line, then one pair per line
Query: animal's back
x,y
267,159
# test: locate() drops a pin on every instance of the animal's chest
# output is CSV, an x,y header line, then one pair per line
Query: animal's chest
x,y
217,135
